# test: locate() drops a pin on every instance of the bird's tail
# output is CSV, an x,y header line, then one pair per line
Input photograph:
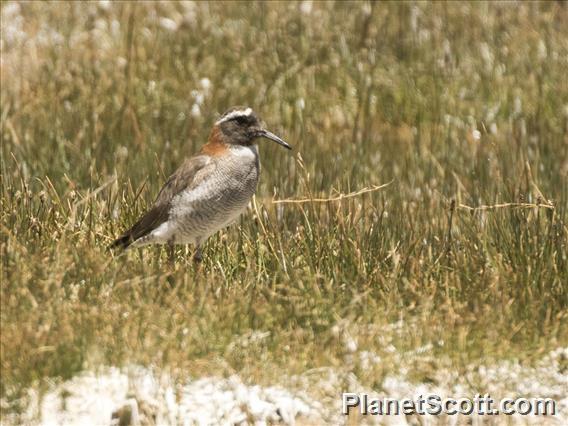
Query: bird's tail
x,y
122,242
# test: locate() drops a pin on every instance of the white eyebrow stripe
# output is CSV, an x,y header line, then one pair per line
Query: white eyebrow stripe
x,y
234,114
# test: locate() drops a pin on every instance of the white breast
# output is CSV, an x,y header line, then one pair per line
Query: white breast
x,y
245,153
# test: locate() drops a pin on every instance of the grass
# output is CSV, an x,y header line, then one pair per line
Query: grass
x,y
458,104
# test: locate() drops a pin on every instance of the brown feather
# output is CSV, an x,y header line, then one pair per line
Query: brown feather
x,y
215,146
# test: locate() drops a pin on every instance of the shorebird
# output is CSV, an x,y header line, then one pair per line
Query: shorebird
x,y
209,191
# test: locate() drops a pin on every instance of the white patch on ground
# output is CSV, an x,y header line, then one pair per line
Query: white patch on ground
x,y
138,395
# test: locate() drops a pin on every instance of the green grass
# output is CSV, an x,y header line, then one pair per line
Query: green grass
x,y
92,124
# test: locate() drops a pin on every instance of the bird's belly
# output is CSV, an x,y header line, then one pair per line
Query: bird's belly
x,y
202,212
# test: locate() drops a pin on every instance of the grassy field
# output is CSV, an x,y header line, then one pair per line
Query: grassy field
x,y
457,104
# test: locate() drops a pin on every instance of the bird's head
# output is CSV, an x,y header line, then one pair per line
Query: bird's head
x,y
241,126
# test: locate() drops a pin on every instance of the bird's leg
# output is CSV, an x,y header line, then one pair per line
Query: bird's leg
x,y
171,252
198,256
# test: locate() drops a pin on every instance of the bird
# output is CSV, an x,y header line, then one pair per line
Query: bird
x,y
209,190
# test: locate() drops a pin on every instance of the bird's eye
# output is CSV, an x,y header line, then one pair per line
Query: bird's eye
x,y
241,119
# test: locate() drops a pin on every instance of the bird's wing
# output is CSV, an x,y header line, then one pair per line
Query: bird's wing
x,y
188,176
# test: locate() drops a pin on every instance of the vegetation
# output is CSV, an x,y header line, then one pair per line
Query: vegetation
x,y
458,104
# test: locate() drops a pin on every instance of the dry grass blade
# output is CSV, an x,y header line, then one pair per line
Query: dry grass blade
x,y
507,205
88,196
339,197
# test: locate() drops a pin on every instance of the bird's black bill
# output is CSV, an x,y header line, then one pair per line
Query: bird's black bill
x,y
269,135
